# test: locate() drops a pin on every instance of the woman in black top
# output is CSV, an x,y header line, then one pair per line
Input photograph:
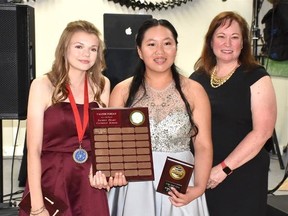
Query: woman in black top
x,y
243,118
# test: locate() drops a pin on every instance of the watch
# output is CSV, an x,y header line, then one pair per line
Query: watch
x,y
225,168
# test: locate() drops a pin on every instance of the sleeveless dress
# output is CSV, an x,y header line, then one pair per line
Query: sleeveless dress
x,y
170,136
61,175
244,192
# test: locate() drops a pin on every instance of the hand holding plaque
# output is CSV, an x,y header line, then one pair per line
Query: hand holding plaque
x,y
177,174
121,142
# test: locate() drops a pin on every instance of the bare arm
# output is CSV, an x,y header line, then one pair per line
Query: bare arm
x,y
203,141
106,92
198,99
39,99
264,112
120,93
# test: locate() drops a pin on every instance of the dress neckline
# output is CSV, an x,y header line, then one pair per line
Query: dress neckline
x,y
159,90
68,103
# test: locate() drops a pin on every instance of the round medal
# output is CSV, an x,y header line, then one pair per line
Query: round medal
x,y
177,172
80,155
137,118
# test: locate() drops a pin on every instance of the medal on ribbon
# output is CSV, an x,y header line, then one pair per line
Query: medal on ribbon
x,y
80,155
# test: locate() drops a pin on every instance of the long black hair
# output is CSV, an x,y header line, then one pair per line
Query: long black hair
x,y
139,75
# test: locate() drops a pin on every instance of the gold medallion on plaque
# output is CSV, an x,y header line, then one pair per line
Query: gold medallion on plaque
x,y
137,117
177,172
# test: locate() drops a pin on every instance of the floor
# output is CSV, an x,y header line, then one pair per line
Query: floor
x,y
11,183
276,175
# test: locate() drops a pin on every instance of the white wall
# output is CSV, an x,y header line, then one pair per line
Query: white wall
x,y
191,21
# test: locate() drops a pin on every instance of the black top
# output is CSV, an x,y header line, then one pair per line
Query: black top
x,y
244,192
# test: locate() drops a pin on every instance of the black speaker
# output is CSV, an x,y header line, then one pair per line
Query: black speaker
x,y
17,59
120,64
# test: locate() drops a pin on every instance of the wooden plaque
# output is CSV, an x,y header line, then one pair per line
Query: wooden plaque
x,y
121,142
177,174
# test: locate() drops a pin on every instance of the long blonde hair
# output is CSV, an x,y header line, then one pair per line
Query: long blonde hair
x,y
59,73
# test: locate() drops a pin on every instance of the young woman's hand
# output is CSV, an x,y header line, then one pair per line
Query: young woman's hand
x,y
179,199
98,180
118,180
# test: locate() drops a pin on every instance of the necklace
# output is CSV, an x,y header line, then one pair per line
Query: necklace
x,y
215,81
80,155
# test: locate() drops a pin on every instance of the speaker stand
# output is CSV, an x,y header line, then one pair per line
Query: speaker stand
x,y
277,149
1,162
2,205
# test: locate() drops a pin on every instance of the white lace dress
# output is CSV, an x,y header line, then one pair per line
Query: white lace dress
x,y
170,136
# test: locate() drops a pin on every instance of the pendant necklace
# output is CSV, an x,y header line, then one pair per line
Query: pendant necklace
x,y
80,155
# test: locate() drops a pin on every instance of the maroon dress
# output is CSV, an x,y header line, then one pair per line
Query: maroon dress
x,y
61,175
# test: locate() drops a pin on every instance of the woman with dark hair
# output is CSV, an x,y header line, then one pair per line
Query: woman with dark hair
x,y
243,108
179,114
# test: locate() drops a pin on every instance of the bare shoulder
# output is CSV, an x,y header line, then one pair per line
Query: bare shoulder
x,y
120,93
41,91
107,81
107,85
123,86
42,83
194,92
191,88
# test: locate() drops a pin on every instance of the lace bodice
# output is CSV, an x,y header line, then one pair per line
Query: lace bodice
x,y
169,122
